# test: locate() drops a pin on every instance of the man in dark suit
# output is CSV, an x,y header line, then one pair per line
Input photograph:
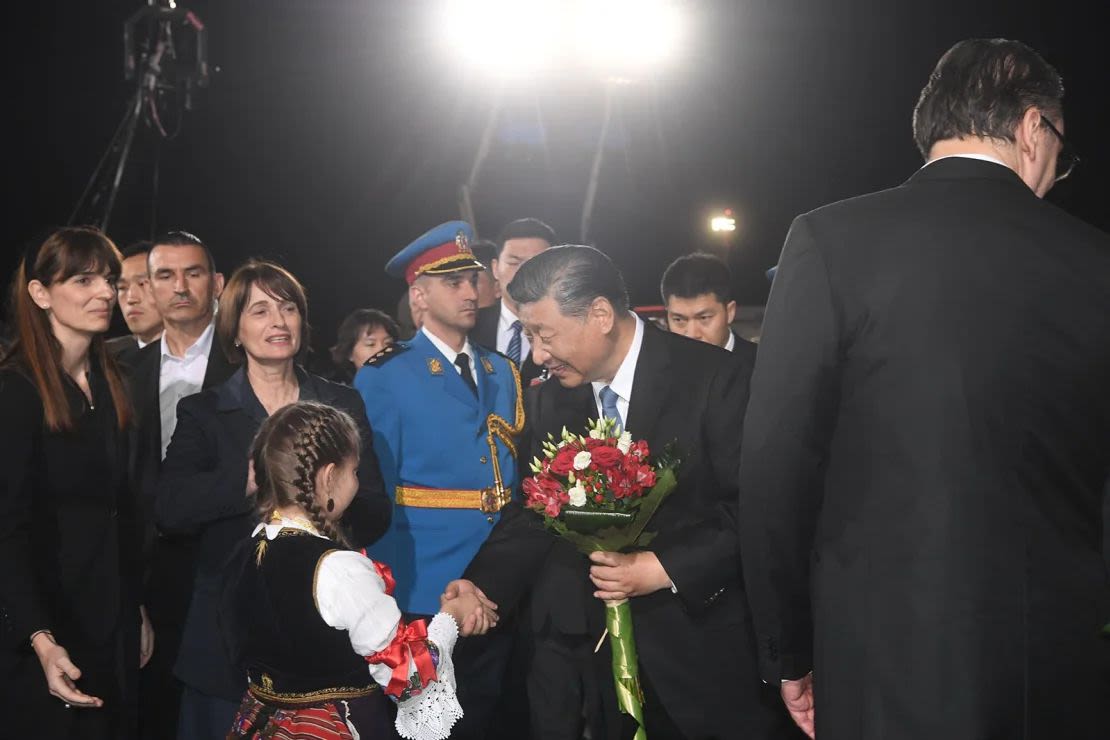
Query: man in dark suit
x,y
185,286
696,654
926,444
136,302
697,295
498,326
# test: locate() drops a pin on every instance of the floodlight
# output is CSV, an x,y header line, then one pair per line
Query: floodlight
x,y
722,223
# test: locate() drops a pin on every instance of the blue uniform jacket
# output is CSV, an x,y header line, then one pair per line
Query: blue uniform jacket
x,y
430,432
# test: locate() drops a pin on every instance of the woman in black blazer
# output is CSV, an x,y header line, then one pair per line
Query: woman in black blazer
x,y
202,487
69,612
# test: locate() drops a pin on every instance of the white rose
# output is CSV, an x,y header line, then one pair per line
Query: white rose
x,y
582,460
596,433
624,443
577,495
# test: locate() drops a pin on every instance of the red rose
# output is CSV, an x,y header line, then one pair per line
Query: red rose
x,y
606,457
563,461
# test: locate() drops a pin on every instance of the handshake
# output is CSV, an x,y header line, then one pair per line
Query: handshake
x,y
472,610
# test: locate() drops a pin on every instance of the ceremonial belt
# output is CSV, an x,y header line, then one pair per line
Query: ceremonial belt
x,y
487,500
266,694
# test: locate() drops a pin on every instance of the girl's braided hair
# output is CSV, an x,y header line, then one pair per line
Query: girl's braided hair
x,y
291,446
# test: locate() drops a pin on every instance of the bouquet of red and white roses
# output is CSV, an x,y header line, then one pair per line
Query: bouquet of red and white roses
x,y
598,491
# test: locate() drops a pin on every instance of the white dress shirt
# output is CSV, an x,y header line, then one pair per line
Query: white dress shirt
x,y
505,333
451,354
731,343
622,381
983,157
180,377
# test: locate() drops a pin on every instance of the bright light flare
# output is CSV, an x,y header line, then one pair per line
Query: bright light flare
x,y
518,38
617,35
722,223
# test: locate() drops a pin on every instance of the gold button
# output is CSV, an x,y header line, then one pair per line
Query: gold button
x,y
483,459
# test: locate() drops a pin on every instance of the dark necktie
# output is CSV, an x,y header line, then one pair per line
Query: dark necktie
x,y
462,361
513,350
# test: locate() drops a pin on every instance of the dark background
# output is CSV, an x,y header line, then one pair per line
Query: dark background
x,y
335,131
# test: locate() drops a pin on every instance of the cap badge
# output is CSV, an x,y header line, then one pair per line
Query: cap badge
x,y
462,242
487,365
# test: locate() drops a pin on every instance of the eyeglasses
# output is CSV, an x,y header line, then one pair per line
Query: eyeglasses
x,y
1067,159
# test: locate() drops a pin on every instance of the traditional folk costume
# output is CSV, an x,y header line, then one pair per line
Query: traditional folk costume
x,y
321,638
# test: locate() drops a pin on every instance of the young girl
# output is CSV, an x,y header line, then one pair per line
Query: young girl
x,y
312,621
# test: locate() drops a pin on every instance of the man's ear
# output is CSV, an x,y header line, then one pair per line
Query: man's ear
x,y
1030,134
730,310
601,311
417,295
218,284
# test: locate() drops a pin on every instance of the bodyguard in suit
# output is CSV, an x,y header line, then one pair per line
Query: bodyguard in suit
x,y
695,647
498,326
185,285
429,400
136,303
926,444
697,295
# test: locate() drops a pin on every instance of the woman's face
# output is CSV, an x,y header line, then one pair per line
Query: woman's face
x,y
269,328
341,489
81,304
371,341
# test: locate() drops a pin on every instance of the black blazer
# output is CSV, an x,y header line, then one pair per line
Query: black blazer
x,y
924,459
695,646
201,491
68,520
485,334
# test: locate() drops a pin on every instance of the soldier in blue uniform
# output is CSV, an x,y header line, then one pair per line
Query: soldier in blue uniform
x,y
444,412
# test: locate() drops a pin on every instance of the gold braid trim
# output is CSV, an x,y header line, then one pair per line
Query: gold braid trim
x,y
310,697
498,428
436,264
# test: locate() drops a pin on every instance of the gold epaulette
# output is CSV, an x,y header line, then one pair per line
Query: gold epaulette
x,y
386,353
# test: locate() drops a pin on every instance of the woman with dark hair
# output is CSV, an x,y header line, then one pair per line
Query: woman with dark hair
x,y
313,620
262,324
69,611
364,333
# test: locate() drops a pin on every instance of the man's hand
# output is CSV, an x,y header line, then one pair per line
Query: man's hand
x,y
146,638
798,697
476,613
61,673
620,576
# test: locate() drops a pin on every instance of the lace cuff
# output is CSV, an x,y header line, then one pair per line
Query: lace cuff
x,y
431,714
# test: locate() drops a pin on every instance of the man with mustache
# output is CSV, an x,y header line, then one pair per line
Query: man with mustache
x,y
428,400
185,286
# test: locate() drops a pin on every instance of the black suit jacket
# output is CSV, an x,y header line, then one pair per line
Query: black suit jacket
x,y
924,458
485,334
124,348
201,491
695,646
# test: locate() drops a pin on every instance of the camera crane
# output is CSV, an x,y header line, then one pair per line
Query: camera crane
x,y
166,56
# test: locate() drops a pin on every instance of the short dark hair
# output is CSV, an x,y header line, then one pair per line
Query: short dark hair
x,y
351,328
697,274
136,248
982,87
485,250
574,276
524,228
272,279
185,239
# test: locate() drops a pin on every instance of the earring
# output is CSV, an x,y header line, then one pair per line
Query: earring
x,y
331,505
238,343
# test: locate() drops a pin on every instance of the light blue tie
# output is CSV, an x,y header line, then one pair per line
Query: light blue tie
x,y
609,406
513,350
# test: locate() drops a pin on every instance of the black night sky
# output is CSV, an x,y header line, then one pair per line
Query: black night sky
x,y
335,131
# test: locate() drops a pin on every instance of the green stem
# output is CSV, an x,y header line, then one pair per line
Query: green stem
x,y
626,669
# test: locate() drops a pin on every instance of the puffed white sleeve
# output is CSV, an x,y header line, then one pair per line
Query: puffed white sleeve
x,y
350,595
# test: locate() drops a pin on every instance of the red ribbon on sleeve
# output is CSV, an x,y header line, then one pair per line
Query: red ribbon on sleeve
x,y
411,641
384,572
